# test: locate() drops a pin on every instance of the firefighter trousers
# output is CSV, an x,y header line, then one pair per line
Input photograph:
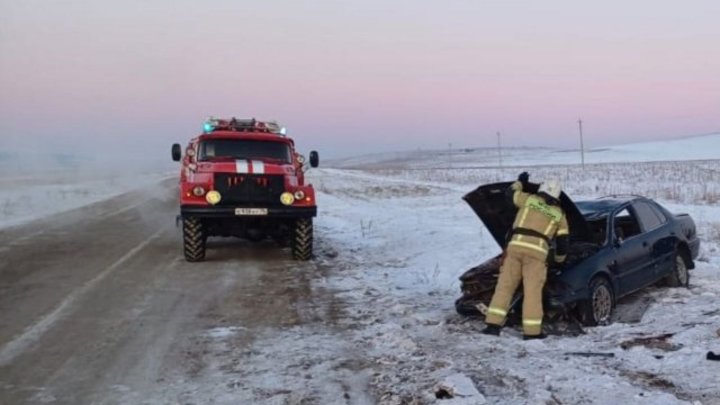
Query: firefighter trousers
x,y
526,267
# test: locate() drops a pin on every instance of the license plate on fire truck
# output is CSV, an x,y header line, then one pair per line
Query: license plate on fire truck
x,y
251,211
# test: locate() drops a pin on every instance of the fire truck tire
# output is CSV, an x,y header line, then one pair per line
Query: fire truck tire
x,y
193,239
302,239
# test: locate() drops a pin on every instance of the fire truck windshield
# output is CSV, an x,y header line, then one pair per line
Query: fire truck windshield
x,y
212,149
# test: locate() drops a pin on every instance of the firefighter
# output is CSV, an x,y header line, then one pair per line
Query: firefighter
x,y
539,220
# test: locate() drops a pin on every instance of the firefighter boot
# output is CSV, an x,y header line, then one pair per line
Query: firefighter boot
x,y
491,329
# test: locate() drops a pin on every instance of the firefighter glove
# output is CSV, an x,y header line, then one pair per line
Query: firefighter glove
x,y
524,177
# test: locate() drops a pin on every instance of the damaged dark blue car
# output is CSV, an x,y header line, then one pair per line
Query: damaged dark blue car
x,y
618,245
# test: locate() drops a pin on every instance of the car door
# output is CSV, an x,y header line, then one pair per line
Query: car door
x,y
658,237
632,252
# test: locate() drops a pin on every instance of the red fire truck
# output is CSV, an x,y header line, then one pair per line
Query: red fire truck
x,y
244,178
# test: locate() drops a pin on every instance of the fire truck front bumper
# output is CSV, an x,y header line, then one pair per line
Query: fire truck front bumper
x,y
203,211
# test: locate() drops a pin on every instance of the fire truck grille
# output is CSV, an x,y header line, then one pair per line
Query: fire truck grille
x,y
249,188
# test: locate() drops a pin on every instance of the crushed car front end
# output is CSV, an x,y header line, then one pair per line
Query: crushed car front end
x,y
564,287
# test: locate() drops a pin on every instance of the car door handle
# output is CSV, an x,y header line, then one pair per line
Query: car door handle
x,y
645,244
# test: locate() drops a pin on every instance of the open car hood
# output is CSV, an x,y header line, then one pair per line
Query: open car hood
x,y
498,213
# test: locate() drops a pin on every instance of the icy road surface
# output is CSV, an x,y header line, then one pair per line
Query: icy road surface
x,y
98,306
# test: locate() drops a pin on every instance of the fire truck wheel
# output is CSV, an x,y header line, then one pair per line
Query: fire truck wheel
x,y
302,240
193,239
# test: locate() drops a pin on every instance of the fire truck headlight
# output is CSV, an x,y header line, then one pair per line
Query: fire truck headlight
x,y
199,191
287,198
299,195
213,197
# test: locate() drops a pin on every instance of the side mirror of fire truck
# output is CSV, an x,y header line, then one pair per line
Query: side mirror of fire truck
x,y
314,159
176,152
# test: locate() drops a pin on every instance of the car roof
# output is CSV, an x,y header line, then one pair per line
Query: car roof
x,y
604,205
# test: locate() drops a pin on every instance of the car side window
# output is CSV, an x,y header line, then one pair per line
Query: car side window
x,y
625,225
648,216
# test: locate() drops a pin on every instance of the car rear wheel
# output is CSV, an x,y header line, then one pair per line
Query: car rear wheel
x,y
599,308
194,239
680,277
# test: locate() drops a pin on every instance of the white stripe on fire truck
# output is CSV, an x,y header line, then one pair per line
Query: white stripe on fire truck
x,y
241,166
258,167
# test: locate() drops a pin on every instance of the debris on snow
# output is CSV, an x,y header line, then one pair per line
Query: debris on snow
x,y
590,354
459,389
653,342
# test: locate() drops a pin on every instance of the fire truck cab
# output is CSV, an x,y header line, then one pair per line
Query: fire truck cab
x,y
244,178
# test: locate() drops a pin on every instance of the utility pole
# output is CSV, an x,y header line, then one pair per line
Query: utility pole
x,y
582,146
499,150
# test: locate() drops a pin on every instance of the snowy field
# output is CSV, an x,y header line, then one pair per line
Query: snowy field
x,y
403,238
704,147
391,241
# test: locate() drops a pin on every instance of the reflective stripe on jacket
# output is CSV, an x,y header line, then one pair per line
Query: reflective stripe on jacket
x,y
537,215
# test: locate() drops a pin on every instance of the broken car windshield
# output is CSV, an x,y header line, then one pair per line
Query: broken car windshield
x,y
243,149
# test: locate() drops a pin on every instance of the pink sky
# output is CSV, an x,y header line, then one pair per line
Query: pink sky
x,y
351,77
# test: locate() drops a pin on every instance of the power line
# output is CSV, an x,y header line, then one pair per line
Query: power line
x,y
582,147
499,150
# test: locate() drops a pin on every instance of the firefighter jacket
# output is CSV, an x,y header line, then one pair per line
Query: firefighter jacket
x,y
537,223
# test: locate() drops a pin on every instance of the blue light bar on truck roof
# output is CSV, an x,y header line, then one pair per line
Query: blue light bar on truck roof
x,y
243,125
